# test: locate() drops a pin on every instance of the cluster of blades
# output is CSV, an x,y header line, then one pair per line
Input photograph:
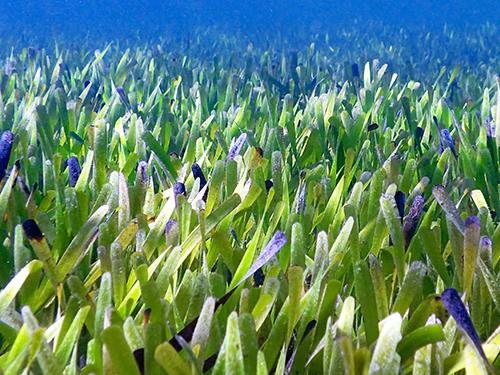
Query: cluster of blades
x,y
180,208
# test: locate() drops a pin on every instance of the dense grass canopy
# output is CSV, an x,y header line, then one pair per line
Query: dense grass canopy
x,y
246,205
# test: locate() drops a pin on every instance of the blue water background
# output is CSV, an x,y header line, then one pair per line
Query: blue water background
x,y
127,19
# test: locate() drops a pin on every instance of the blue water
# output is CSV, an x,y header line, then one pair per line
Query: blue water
x,y
416,38
129,18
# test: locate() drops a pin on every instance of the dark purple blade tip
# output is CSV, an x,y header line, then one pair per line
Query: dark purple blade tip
x,y
400,199
5,148
490,128
269,184
73,170
446,140
32,230
237,146
472,221
197,173
486,241
179,189
453,303
139,359
258,277
23,185
411,221
171,224
273,246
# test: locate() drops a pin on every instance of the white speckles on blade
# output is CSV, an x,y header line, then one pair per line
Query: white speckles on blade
x,y
448,206
202,329
385,353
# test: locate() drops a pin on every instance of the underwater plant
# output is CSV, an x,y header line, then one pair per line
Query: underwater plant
x,y
173,207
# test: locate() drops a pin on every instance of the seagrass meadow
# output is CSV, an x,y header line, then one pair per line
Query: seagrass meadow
x,y
220,205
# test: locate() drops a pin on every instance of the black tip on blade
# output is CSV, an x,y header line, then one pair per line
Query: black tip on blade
x,y
139,359
269,185
400,199
259,277
197,173
32,230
